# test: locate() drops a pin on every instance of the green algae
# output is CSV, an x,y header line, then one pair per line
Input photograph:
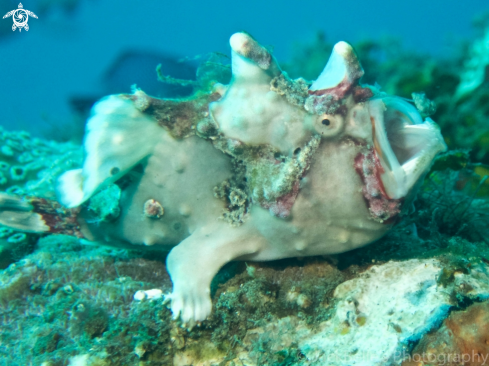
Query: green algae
x,y
104,206
73,299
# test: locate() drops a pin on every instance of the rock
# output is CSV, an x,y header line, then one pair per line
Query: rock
x,y
375,318
397,302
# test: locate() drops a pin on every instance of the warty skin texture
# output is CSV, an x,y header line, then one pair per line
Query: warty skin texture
x,y
307,163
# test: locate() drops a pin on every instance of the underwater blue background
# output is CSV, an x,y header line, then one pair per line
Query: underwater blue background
x,y
73,52
421,288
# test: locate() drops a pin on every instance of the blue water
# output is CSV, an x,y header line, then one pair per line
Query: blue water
x,y
67,53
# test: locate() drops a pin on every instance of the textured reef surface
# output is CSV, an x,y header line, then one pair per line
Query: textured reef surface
x,y
418,294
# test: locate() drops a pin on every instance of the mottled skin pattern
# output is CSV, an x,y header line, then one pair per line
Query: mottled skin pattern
x,y
329,216
321,140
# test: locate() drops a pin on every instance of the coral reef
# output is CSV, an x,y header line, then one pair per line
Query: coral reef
x,y
30,166
62,300
449,204
14,245
75,303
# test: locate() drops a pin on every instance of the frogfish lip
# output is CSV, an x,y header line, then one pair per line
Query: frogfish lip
x,y
404,143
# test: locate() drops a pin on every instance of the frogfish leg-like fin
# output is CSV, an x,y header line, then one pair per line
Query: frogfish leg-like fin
x,y
195,261
119,135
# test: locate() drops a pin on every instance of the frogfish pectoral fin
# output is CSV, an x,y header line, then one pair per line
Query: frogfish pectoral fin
x,y
119,135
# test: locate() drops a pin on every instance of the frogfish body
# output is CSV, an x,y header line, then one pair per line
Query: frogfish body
x,y
264,168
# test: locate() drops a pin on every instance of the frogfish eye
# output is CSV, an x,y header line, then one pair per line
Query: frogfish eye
x,y
329,125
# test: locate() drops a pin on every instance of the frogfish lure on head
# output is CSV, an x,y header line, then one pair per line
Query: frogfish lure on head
x,y
263,168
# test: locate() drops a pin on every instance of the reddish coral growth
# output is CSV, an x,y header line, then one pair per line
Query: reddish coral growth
x,y
381,207
471,330
463,339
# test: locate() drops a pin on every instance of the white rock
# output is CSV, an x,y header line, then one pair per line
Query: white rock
x,y
152,294
375,317
80,360
378,313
